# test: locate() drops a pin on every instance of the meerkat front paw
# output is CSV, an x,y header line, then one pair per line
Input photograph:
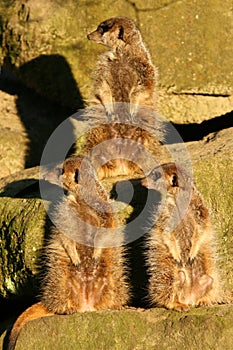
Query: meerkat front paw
x,y
172,244
177,306
193,253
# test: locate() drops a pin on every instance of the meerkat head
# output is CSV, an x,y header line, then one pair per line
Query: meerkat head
x,y
116,32
169,176
74,172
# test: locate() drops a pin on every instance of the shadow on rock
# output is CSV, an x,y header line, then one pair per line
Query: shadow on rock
x,y
196,132
51,96
136,228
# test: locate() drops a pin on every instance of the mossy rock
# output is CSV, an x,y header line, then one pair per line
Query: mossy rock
x,y
47,46
22,224
154,329
213,179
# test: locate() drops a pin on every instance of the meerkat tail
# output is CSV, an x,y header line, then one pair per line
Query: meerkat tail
x,y
32,313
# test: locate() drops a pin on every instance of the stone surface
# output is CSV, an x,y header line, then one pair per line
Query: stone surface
x,y
155,329
27,121
22,231
212,172
13,143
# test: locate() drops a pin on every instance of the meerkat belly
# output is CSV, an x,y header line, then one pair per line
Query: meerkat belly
x,y
87,287
69,288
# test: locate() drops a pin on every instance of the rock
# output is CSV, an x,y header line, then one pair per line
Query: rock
x,y
22,232
16,185
27,121
50,53
190,43
201,328
186,41
212,164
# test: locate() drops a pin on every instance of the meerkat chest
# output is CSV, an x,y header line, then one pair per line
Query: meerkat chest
x,y
123,72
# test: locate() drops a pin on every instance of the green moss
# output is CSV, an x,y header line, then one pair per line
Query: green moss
x,y
21,237
155,329
213,178
186,39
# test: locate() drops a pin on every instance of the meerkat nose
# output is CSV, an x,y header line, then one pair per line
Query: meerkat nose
x,y
143,182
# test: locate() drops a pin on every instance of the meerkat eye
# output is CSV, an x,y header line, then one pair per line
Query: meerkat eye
x,y
60,171
156,176
121,33
103,28
100,30
174,180
76,175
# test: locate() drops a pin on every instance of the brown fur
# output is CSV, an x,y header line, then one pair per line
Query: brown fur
x,y
182,259
123,149
125,73
125,84
84,256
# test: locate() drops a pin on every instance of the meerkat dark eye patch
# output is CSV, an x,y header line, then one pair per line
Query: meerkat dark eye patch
x,y
60,171
76,176
121,33
104,27
156,175
174,180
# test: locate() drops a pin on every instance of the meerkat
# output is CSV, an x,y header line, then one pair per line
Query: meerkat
x,y
181,258
84,256
125,76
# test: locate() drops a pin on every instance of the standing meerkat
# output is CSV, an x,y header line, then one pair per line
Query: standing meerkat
x,y
181,259
125,74
84,256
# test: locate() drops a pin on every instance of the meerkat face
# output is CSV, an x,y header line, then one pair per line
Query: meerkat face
x,y
69,174
115,32
73,173
169,176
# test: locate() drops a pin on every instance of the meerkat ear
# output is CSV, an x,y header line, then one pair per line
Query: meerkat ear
x,y
76,175
174,181
121,33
